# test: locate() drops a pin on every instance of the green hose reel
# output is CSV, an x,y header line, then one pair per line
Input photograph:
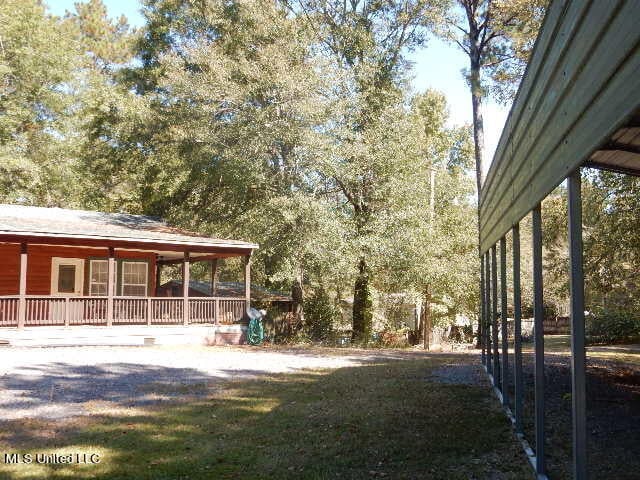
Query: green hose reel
x,y
255,330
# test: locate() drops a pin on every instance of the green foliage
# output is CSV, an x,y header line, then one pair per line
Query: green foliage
x,y
498,37
611,208
37,58
288,124
321,315
106,43
371,161
613,326
611,243
57,94
432,242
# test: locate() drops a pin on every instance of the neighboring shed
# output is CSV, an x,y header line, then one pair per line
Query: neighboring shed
x,y
259,294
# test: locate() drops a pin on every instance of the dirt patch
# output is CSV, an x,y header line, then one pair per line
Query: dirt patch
x,y
613,416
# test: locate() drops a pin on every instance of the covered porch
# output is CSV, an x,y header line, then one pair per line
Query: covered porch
x,y
69,268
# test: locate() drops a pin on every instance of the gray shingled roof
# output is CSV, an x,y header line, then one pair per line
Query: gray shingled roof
x,y
232,289
60,222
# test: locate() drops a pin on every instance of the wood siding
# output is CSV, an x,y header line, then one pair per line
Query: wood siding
x,y
39,265
9,268
580,86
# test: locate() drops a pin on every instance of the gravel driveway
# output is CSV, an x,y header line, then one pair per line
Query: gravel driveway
x,y
67,381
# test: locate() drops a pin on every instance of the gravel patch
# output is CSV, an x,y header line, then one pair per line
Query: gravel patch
x,y
56,383
454,373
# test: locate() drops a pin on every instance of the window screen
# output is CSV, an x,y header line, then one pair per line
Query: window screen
x,y
98,275
134,279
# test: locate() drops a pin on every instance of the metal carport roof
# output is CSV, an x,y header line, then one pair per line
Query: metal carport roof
x,y
578,104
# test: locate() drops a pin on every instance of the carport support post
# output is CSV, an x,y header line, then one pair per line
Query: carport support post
x,y
578,358
186,270
504,329
22,302
538,326
111,270
517,329
247,283
487,292
482,315
494,316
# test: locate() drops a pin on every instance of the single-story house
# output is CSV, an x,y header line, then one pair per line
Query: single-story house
x,y
72,268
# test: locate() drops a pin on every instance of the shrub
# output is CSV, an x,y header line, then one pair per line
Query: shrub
x,y
550,310
612,326
321,314
393,338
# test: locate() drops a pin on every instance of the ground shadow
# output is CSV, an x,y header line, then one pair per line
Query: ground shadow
x,y
385,419
59,390
613,412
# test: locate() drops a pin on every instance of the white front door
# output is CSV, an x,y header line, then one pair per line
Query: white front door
x,y
67,276
67,279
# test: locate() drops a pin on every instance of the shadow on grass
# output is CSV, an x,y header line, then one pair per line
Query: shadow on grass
x,y
613,413
59,390
388,419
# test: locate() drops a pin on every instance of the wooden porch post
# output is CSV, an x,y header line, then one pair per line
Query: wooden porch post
x,y
214,273
185,288
247,282
158,276
111,271
22,303
216,302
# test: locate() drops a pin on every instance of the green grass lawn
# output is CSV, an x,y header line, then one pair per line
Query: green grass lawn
x,y
382,420
619,354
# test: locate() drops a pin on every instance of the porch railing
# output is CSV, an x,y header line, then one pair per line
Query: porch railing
x,y
62,311
9,308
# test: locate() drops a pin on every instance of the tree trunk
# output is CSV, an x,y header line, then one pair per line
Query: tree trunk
x,y
426,319
362,305
416,335
478,138
297,296
478,124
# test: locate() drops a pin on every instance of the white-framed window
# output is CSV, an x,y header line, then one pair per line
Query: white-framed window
x,y
98,277
134,279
